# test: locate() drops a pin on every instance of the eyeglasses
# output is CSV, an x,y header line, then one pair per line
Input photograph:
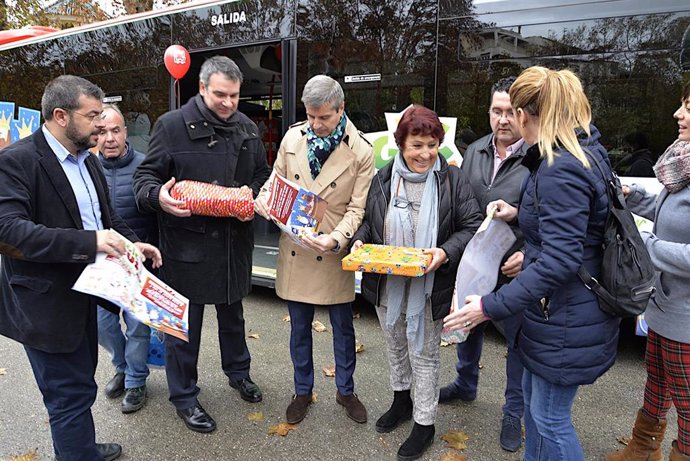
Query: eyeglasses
x,y
90,117
402,203
499,114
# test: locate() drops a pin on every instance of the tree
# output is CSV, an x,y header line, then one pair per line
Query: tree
x,y
23,13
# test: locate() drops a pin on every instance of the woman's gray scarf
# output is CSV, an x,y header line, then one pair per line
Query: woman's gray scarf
x,y
673,167
401,234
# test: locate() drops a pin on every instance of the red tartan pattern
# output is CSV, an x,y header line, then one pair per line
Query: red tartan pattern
x,y
668,381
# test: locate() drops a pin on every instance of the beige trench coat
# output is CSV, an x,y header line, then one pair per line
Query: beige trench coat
x,y
344,180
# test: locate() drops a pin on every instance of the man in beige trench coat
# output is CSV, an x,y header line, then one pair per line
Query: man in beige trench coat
x,y
328,156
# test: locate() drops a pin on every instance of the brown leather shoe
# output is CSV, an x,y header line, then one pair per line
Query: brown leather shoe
x,y
297,409
354,408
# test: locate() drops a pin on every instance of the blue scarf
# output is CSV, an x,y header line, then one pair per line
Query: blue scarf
x,y
424,236
319,149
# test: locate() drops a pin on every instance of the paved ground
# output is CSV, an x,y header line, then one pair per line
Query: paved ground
x,y
602,411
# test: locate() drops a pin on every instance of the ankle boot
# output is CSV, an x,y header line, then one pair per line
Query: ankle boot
x,y
400,410
646,441
676,455
416,444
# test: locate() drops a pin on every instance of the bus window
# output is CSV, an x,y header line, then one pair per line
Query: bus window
x,y
628,63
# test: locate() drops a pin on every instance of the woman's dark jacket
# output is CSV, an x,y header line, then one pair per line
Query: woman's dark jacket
x,y
459,217
570,341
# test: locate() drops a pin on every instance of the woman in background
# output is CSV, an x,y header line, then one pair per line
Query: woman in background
x,y
668,314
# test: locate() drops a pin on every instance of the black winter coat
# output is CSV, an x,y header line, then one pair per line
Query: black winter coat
x,y
207,259
119,173
459,219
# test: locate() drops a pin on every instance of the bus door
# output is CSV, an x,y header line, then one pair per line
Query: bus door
x,y
267,97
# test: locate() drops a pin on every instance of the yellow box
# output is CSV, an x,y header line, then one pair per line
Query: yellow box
x,y
387,260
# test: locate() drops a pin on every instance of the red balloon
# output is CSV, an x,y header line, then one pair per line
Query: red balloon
x,y
177,61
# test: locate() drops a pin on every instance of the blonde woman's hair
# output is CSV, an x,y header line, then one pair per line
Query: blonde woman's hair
x,y
558,100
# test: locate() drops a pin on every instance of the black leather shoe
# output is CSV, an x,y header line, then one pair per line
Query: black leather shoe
x,y
248,390
116,386
109,451
196,419
134,400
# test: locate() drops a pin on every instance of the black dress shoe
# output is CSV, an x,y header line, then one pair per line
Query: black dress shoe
x,y
196,419
248,390
116,386
109,451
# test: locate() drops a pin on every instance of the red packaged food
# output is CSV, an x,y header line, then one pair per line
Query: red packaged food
x,y
213,200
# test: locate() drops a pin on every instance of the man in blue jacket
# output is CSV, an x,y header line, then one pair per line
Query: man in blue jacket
x,y
493,165
128,351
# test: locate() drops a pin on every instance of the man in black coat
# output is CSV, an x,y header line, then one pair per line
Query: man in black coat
x,y
208,259
128,351
55,215
493,165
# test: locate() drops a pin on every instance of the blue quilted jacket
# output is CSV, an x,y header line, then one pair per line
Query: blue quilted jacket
x,y
567,339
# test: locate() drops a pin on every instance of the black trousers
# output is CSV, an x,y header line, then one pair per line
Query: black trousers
x,y
69,390
181,358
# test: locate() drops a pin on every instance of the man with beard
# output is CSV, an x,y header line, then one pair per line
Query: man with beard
x,y
208,259
128,351
55,216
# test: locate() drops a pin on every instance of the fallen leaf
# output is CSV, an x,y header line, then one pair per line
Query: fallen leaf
x,y
282,429
356,315
455,439
313,396
318,326
3,371
256,417
329,372
480,366
445,343
359,347
253,336
28,456
286,318
453,456
623,440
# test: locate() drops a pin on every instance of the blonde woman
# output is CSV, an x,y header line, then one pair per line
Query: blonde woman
x,y
566,340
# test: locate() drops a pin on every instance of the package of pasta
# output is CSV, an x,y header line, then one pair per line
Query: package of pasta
x,y
206,199
387,260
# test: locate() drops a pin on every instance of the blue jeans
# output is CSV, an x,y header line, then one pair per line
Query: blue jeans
x,y
301,316
549,431
128,351
470,351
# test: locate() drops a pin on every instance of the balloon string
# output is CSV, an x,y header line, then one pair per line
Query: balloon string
x,y
176,87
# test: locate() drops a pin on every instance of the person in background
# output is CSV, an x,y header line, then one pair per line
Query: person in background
x,y
209,259
566,340
668,314
55,217
417,200
493,166
641,158
328,156
128,351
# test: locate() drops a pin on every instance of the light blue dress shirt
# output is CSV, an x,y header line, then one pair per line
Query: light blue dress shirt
x,y
80,180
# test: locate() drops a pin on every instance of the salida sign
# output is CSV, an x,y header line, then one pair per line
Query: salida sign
x,y
228,18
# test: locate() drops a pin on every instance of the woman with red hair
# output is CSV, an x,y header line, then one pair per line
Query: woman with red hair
x,y
417,200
